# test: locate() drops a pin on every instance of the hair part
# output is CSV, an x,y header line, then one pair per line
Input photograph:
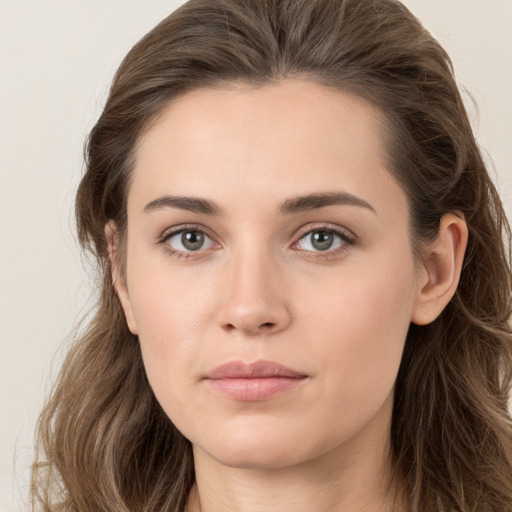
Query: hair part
x,y
105,442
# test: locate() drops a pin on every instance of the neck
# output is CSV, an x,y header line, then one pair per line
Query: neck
x,y
352,477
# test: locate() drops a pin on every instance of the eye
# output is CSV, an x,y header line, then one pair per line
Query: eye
x,y
324,239
187,240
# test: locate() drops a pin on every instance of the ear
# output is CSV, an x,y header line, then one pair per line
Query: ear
x,y
118,278
439,273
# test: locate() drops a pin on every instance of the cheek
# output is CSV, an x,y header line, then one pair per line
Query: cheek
x,y
169,301
172,310
169,345
170,321
360,329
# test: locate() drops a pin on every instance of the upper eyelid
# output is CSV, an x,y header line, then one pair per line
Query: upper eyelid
x,y
168,232
327,227
299,233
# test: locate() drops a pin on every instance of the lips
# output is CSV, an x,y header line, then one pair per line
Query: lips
x,y
252,382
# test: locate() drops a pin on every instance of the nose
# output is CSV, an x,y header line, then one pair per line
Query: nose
x,y
253,297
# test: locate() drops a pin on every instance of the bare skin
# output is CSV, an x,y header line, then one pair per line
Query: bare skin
x,y
327,291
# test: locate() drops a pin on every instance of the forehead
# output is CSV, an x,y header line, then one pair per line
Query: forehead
x,y
269,142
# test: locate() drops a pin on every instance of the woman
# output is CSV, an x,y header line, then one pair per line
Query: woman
x,y
306,289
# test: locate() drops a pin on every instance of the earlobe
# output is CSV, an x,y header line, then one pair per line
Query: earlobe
x,y
440,273
118,278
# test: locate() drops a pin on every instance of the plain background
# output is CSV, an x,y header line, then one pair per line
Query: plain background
x,y
56,61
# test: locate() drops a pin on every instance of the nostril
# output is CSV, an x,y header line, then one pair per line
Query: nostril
x,y
267,326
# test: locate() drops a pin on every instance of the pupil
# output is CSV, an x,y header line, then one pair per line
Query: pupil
x,y
192,240
322,240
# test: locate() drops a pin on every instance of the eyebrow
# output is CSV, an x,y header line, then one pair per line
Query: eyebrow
x,y
321,199
294,205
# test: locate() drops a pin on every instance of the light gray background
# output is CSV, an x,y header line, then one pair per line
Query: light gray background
x,y
56,61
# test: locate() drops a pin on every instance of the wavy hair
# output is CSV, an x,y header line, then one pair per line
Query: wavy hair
x,y
104,443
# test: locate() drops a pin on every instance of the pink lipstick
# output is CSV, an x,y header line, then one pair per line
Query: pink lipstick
x,y
253,382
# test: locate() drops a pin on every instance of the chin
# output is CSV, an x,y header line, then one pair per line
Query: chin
x,y
254,456
259,448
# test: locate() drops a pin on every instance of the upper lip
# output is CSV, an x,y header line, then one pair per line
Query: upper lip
x,y
258,369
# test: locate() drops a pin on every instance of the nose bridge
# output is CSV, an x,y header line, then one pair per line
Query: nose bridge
x,y
253,299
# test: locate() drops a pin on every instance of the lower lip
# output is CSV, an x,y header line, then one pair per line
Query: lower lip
x,y
254,389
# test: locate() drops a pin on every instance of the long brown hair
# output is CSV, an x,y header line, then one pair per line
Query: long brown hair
x,y
105,443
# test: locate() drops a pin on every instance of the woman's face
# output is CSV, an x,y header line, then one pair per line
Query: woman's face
x,y
264,227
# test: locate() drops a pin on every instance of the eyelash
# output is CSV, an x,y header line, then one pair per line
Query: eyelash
x,y
346,237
